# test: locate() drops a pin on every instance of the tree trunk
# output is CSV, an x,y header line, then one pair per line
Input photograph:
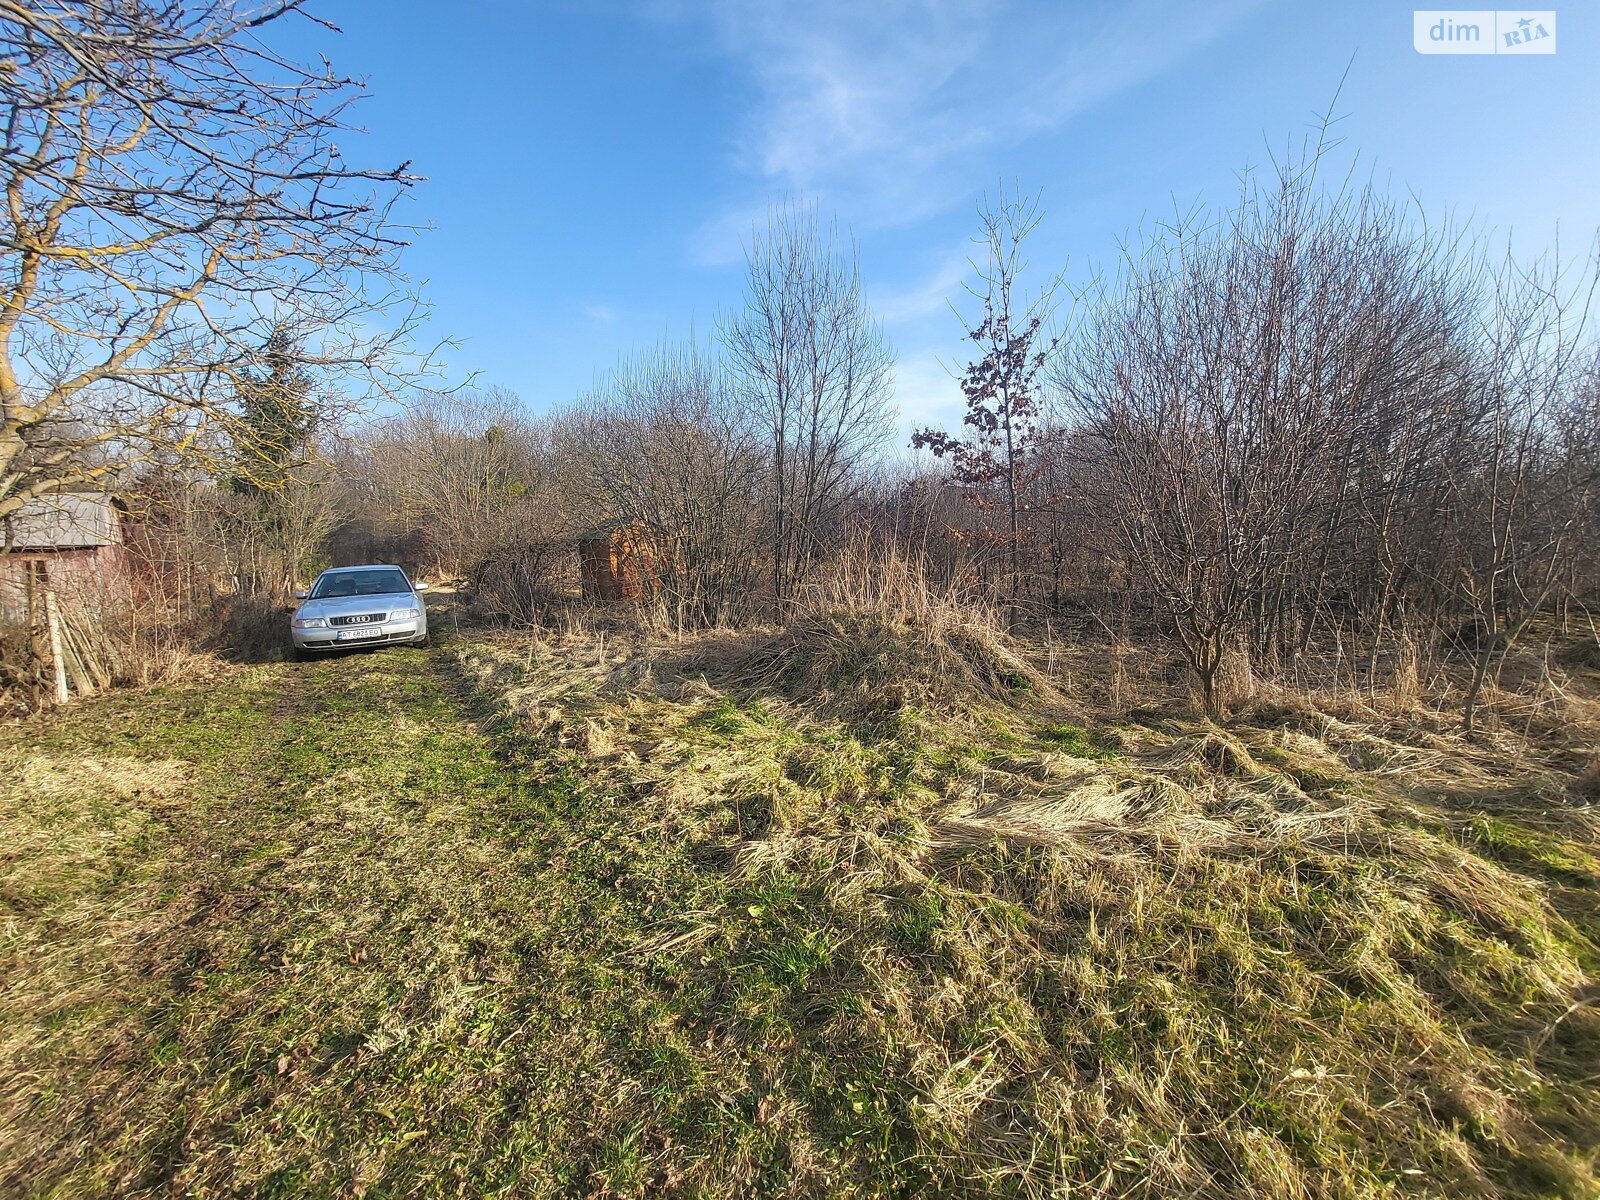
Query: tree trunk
x,y
1480,671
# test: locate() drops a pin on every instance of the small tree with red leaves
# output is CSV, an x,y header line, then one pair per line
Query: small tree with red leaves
x,y
1002,386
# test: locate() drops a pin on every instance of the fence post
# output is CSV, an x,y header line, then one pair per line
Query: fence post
x,y
58,658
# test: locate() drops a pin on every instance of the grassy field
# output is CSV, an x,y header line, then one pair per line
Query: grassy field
x,y
518,917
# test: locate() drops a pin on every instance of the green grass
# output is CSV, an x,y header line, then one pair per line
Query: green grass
x,y
1100,745
1305,775
367,926
1556,858
325,960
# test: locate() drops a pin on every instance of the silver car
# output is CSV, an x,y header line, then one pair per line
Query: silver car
x,y
359,606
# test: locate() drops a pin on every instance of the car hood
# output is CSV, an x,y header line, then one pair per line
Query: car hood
x,y
351,606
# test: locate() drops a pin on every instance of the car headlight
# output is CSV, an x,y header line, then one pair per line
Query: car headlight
x,y
401,614
311,622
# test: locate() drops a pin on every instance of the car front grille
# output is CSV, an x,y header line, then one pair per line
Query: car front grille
x,y
363,619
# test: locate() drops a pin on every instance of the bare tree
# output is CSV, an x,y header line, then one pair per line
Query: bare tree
x,y
1577,445
455,475
814,368
1526,499
174,195
1237,377
664,445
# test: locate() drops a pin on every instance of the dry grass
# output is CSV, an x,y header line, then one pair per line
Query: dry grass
x,y
113,639
249,629
893,584
716,917
871,635
1292,957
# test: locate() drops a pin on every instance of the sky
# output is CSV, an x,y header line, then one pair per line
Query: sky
x,y
593,170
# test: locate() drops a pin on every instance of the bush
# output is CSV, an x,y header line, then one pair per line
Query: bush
x,y
250,628
519,583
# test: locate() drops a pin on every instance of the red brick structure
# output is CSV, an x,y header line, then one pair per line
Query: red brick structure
x,y
610,561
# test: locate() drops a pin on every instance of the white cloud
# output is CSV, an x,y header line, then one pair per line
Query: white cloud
x,y
883,109
928,296
722,239
927,394
604,314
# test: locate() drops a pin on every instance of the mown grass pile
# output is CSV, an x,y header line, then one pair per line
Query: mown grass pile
x,y
583,916
869,635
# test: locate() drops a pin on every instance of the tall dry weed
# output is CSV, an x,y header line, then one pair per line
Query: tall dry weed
x,y
885,581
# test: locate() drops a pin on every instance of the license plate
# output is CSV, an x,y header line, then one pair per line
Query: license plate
x,y
351,635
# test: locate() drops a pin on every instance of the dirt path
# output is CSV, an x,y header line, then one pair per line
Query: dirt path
x,y
285,932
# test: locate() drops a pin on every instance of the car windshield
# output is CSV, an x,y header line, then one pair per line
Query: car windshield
x,y
380,581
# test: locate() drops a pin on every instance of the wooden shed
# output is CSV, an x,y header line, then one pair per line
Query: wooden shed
x,y
71,544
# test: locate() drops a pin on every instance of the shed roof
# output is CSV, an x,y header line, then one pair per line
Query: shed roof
x,y
70,521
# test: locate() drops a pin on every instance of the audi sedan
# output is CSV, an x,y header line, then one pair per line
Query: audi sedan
x,y
359,606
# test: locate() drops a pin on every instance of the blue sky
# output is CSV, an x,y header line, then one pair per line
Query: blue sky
x,y
593,169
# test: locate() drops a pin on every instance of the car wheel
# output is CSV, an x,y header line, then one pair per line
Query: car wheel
x,y
423,642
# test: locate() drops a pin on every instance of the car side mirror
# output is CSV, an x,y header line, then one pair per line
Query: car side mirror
x,y
421,587
300,593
